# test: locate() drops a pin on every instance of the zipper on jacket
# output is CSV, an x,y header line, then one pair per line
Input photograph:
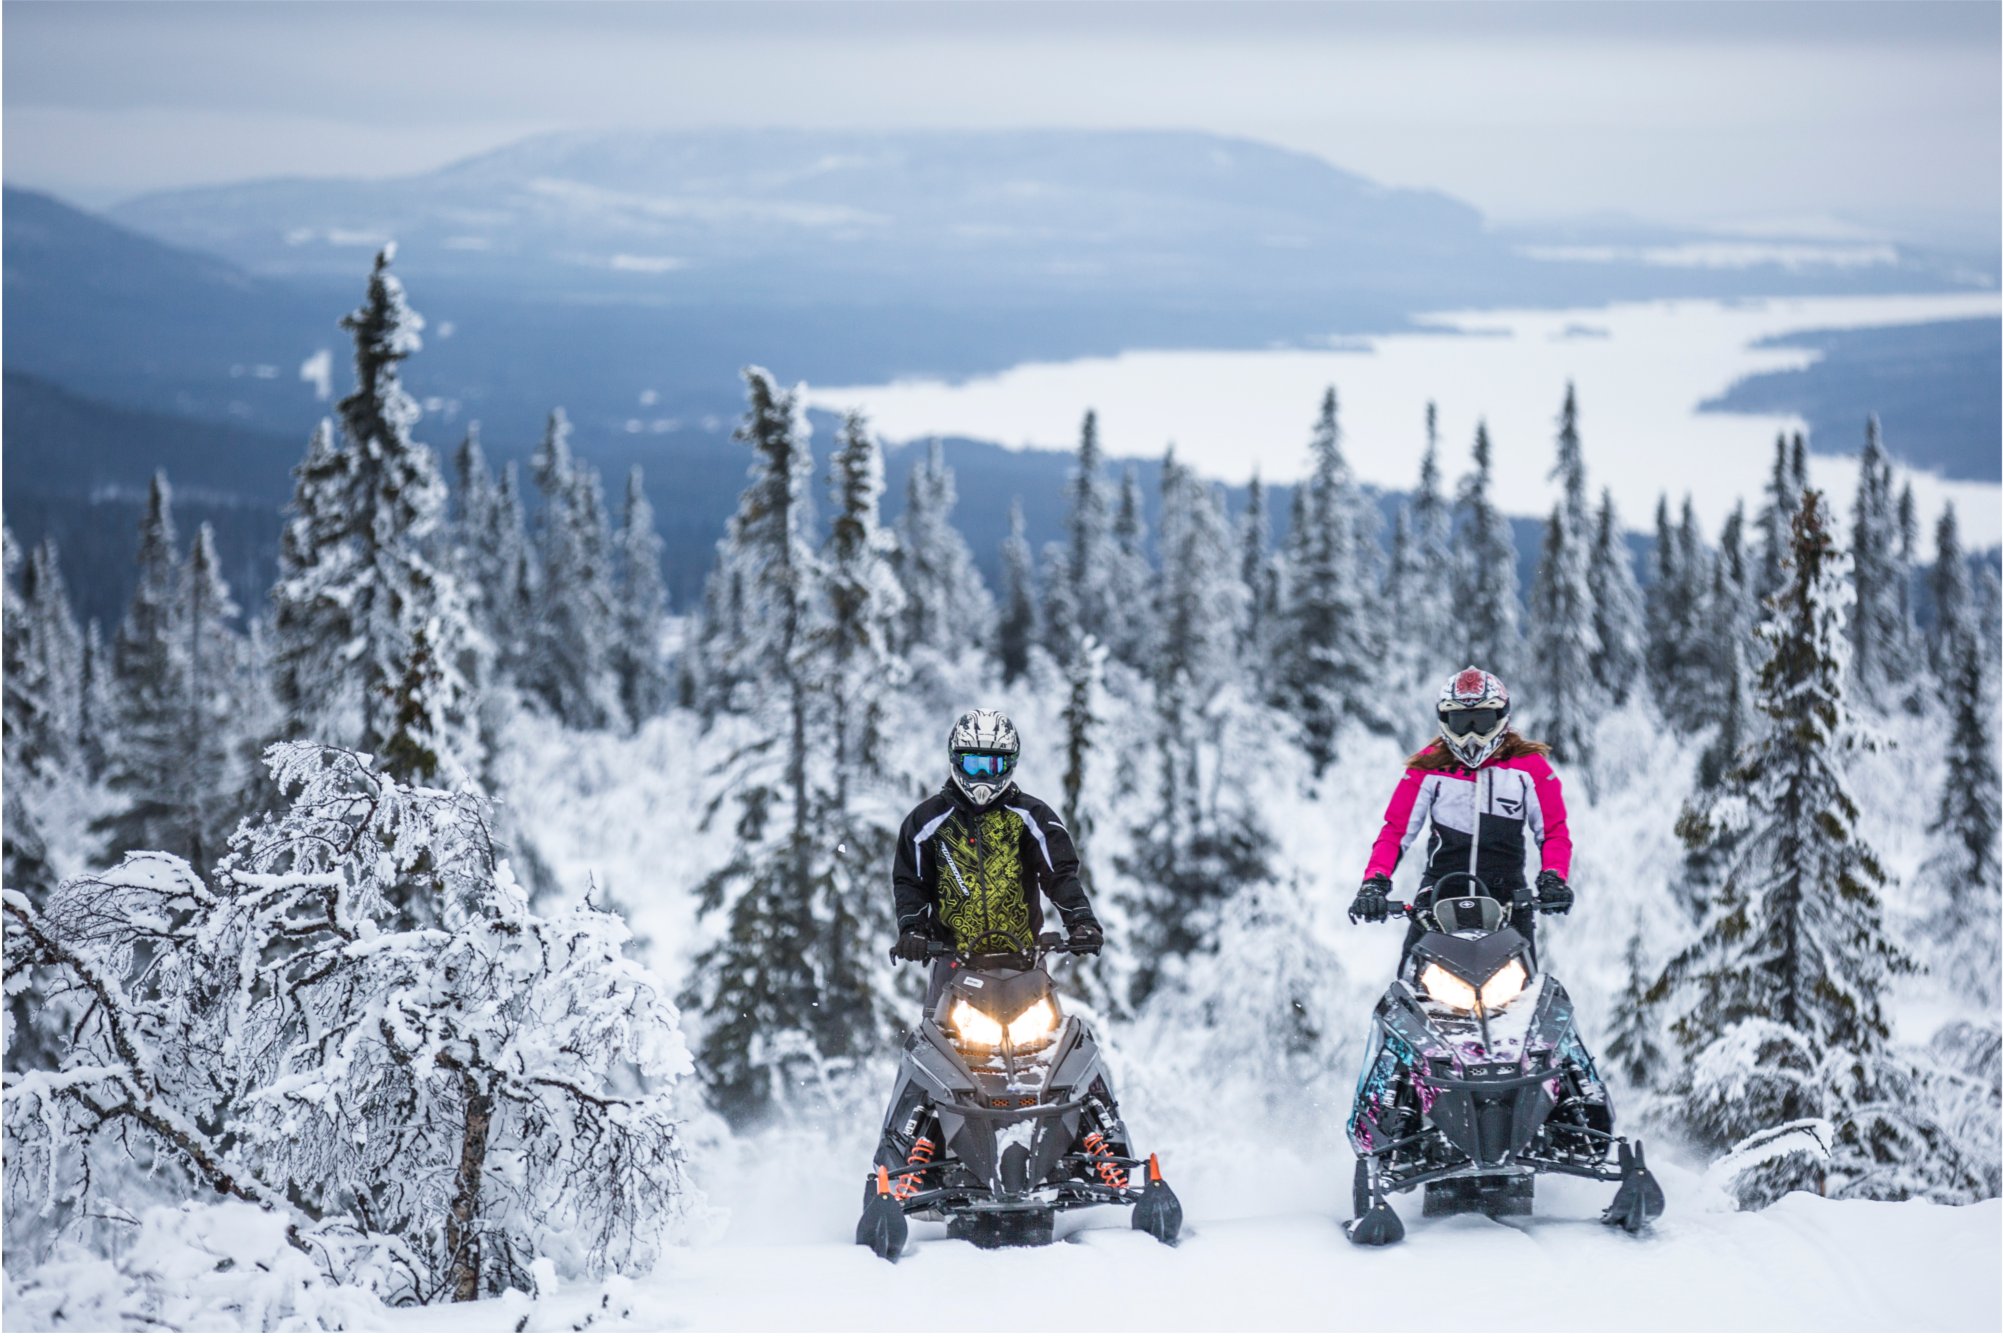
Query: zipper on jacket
x,y
1474,837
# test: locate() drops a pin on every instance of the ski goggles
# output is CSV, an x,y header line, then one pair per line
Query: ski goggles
x,y
1481,720
974,765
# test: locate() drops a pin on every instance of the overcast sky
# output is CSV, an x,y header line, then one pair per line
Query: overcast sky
x,y
1886,115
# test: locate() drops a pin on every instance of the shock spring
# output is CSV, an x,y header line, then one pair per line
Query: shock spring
x,y
915,1163
1111,1175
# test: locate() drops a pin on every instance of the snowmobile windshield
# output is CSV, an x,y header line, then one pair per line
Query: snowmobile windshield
x,y
1469,914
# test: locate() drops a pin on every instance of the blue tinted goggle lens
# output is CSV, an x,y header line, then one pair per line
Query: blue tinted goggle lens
x,y
983,763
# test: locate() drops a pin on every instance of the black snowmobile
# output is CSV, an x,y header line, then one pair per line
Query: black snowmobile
x,y
1003,1116
1475,1081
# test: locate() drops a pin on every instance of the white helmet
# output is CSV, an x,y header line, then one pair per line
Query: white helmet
x,y
1474,715
982,750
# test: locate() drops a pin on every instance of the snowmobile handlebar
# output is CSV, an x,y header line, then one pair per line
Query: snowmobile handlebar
x,y
1047,944
1476,887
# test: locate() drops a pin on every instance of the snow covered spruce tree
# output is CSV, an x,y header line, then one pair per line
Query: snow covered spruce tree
x,y
1485,599
1880,648
855,672
1962,878
428,1102
1616,599
149,659
1018,629
1635,1045
1778,1004
570,665
358,582
1564,640
31,752
1953,596
1677,605
49,753
1078,595
1784,486
1331,647
1711,822
1130,582
59,650
1197,844
786,996
1258,573
642,608
947,608
1420,582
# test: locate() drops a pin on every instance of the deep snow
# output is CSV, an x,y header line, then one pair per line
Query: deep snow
x,y
1267,1251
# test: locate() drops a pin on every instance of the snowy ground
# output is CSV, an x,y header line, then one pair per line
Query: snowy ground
x,y
1268,1253
1263,1247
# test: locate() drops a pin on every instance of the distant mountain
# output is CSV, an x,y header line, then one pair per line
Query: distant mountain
x,y
1024,219
102,309
1044,220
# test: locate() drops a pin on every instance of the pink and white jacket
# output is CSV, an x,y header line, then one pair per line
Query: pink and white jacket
x,y
1480,821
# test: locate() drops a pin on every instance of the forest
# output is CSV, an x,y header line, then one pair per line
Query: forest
x,y
298,937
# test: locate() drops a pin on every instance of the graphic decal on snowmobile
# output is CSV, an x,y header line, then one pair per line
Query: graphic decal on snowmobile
x,y
1477,1081
980,899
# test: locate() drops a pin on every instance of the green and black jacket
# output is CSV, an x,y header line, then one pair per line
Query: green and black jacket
x,y
972,877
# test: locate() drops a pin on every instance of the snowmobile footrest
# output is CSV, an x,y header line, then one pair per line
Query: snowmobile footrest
x,y
1639,1198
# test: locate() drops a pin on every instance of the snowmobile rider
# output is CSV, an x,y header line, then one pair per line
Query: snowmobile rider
x,y
975,859
1484,786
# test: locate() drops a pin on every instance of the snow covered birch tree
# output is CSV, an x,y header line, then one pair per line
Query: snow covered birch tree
x,y
450,1088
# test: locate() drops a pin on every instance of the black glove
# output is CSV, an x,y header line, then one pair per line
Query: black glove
x,y
1373,901
1087,938
1554,896
912,945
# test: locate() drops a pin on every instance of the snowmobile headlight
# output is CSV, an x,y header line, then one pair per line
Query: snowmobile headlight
x,y
1443,986
1503,986
1037,1021
975,1026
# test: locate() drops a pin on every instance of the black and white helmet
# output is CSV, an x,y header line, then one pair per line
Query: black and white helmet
x,y
982,750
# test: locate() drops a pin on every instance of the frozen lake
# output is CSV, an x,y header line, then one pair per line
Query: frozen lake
x,y
1641,370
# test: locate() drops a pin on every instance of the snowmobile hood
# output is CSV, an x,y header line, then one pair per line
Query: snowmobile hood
x,y
1474,959
1003,994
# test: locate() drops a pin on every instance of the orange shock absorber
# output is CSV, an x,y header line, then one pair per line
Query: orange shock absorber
x,y
1109,1174
915,1163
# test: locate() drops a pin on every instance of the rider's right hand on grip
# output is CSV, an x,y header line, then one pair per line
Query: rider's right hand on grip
x,y
1373,901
